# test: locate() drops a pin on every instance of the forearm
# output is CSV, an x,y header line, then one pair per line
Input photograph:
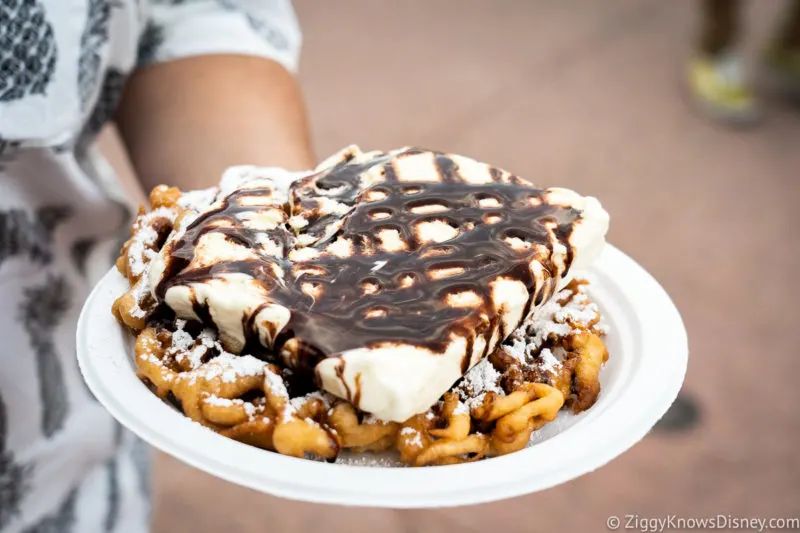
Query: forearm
x,y
185,121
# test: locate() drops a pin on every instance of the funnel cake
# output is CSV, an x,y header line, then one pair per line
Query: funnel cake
x,y
408,300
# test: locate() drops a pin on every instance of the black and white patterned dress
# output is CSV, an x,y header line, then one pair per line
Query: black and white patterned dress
x,y
65,465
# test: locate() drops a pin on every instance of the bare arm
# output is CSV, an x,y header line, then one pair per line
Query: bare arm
x,y
185,121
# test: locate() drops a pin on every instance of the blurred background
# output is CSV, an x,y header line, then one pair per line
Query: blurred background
x,y
588,95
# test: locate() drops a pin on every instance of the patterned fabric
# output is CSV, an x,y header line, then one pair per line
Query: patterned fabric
x,y
65,465
28,52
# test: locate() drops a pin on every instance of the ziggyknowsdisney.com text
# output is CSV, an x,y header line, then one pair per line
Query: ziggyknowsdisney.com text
x,y
635,522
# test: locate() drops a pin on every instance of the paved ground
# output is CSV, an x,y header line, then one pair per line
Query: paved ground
x,y
582,94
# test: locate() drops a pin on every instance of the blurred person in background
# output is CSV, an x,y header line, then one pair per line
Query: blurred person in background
x,y
717,78
195,86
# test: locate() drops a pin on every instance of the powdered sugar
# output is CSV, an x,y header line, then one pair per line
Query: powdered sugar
x,y
223,402
141,249
547,361
199,200
181,347
483,377
166,374
369,459
195,356
139,292
181,340
416,440
301,401
601,328
208,340
461,409
240,366
578,311
477,401
249,409
517,346
229,367
554,319
276,385
298,403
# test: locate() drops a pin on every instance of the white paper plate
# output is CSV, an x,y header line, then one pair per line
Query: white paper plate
x,y
648,357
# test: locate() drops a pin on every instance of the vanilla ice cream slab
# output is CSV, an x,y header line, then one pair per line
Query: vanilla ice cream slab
x,y
382,277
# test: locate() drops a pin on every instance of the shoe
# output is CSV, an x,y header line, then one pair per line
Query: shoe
x,y
719,87
783,68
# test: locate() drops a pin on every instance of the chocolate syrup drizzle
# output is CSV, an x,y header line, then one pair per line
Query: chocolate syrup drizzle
x,y
418,314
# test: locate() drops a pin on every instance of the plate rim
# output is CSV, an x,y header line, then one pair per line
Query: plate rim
x,y
477,482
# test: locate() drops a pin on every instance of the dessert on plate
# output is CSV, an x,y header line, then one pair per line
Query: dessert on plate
x,y
408,300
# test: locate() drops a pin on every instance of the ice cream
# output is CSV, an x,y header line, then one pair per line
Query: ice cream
x,y
384,276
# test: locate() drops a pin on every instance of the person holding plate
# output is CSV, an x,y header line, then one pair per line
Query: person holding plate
x,y
194,87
